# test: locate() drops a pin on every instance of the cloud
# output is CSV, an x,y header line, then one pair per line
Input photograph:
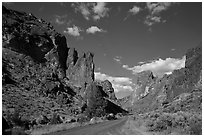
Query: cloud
x,y
119,83
150,20
155,9
100,10
92,10
83,8
60,20
73,31
141,62
159,67
135,10
94,29
117,59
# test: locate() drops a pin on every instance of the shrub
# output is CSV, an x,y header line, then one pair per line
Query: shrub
x,y
188,122
56,119
195,125
82,119
17,123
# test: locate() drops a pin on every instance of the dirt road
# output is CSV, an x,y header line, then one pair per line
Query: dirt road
x,y
114,127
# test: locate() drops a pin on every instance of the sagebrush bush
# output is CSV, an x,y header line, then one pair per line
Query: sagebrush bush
x,y
82,119
17,123
56,119
189,122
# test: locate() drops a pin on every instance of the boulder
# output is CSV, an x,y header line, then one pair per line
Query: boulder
x,y
108,89
93,120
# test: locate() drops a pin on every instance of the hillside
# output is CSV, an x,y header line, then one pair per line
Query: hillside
x,y
152,93
42,76
171,104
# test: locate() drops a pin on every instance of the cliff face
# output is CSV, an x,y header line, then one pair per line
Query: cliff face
x,y
80,70
28,35
155,93
41,74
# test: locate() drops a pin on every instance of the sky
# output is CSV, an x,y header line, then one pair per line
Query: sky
x,y
126,38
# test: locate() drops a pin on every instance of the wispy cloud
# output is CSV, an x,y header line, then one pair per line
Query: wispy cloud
x,y
150,20
83,8
100,10
159,67
117,59
73,31
134,10
94,29
92,10
119,84
154,9
157,7
60,20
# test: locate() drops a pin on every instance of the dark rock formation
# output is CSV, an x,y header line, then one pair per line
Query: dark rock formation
x,y
71,59
5,126
35,61
42,76
108,89
97,103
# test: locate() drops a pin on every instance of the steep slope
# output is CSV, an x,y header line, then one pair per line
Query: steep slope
x,y
41,74
152,93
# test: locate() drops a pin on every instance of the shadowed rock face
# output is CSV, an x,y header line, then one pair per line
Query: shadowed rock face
x,y
108,89
152,93
41,75
97,103
34,37
35,61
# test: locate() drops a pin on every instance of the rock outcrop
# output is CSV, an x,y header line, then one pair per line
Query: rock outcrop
x,y
97,102
80,70
154,93
37,63
41,74
108,89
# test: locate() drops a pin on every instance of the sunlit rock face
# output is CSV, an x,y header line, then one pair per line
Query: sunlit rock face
x,y
80,70
152,92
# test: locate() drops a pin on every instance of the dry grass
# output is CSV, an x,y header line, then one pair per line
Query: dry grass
x,y
46,129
